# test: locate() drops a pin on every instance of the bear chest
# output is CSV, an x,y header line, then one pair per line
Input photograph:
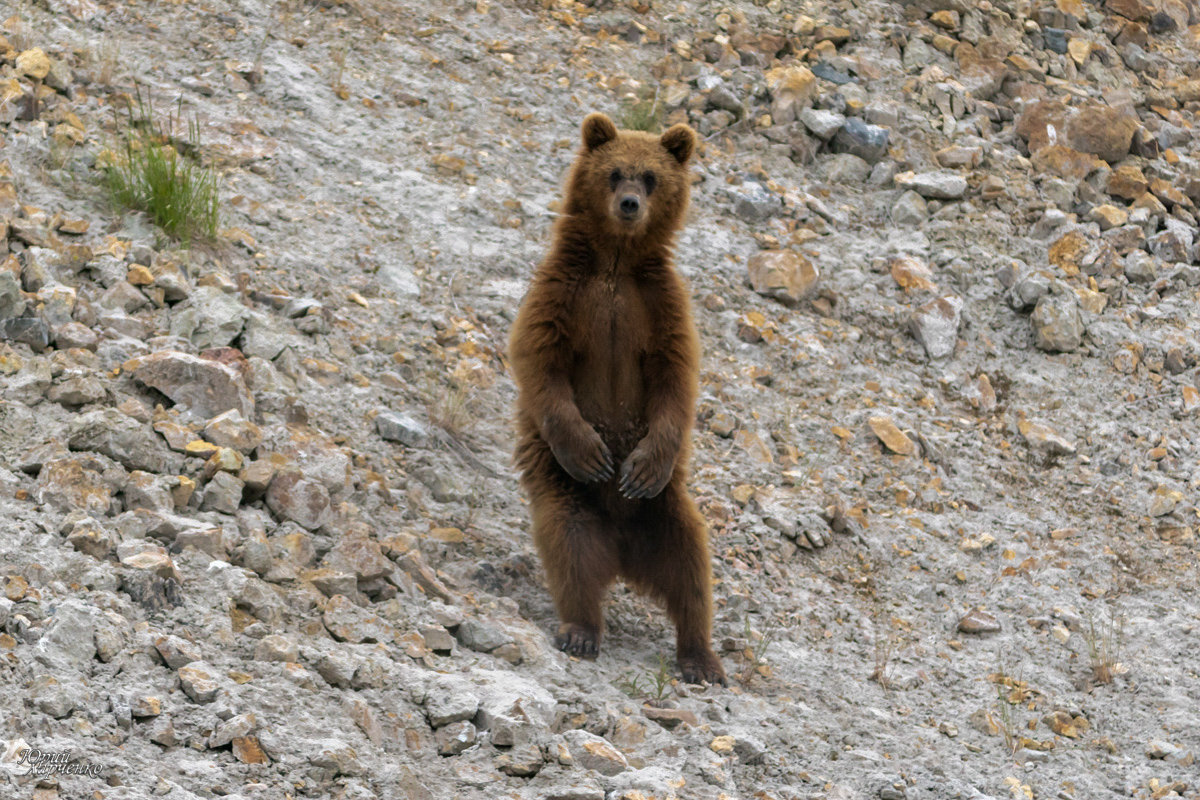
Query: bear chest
x,y
613,333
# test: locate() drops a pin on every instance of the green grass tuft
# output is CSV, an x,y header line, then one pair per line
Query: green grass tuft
x,y
152,175
642,114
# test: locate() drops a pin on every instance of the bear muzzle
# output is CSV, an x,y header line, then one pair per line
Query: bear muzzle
x,y
629,205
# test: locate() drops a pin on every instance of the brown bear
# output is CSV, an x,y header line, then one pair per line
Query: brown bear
x,y
606,357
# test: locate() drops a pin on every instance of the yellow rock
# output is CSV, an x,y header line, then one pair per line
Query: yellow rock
x,y
33,63
447,535
945,19
1067,252
944,43
892,437
200,448
742,493
911,273
1092,302
1079,49
182,492
722,744
1109,216
139,275
1191,398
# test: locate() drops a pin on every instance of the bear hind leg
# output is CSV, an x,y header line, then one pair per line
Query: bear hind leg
x,y
673,566
580,563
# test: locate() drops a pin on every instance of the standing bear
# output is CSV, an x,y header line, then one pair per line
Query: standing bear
x,y
606,357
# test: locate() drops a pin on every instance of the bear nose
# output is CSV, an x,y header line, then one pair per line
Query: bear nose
x,y
630,204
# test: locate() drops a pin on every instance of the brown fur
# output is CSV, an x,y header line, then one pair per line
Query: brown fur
x,y
606,359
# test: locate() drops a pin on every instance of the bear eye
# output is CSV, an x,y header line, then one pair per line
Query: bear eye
x,y
614,178
649,180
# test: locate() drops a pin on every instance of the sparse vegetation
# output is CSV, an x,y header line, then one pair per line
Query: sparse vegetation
x,y
1104,642
648,685
150,174
641,114
756,652
452,410
885,646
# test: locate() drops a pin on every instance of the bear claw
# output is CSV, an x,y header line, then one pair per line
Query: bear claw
x,y
576,640
702,668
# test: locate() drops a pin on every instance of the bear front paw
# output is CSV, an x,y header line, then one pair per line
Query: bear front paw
x,y
645,473
584,456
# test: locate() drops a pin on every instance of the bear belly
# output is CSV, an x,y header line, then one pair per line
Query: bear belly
x,y
607,378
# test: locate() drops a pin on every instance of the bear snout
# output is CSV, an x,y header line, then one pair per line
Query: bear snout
x,y
628,207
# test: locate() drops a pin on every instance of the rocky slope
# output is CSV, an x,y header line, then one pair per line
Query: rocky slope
x,y
261,533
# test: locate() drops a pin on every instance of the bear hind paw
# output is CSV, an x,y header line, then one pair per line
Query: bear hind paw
x,y
702,667
578,640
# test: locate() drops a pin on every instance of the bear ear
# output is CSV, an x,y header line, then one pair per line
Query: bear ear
x,y
597,130
679,141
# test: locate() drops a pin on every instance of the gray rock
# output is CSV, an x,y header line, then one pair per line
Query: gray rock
x,y
822,123
85,483
450,701
910,209
337,668
176,651
51,697
75,334
276,648
869,142
593,752
199,386
291,496
935,325
264,338
199,682
401,428
846,168
123,296
71,634
77,388
482,637
223,493
209,318
1173,244
1141,267
940,185
123,439
32,331
724,99
753,202
437,639
1057,323
235,728
1028,289
454,738
148,491
12,302
233,430
917,55
335,756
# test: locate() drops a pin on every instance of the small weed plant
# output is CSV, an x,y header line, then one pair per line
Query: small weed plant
x,y
1104,641
652,685
151,174
642,114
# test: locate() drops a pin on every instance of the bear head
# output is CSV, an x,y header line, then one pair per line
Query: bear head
x,y
630,184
